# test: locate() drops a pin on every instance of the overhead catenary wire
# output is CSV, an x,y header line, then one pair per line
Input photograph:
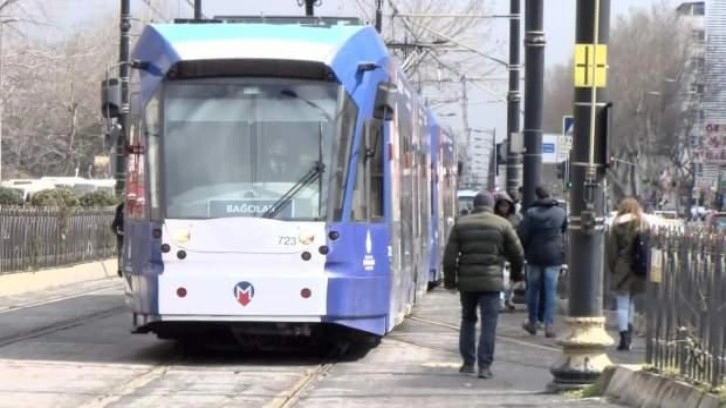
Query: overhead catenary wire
x,y
476,84
155,10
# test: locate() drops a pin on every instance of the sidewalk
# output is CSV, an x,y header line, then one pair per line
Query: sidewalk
x,y
522,361
417,365
440,306
14,284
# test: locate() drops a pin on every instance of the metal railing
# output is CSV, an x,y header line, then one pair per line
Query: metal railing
x,y
34,238
686,305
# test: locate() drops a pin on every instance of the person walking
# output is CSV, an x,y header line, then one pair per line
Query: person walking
x,y
477,248
504,207
542,234
629,222
117,226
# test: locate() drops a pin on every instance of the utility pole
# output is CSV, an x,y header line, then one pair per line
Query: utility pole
x,y
379,15
197,9
514,158
534,42
465,124
583,349
124,62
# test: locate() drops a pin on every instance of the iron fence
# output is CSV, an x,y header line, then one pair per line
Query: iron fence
x,y
33,238
685,307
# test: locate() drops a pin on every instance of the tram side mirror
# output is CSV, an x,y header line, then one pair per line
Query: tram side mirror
x,y
111,98
385,102
372,137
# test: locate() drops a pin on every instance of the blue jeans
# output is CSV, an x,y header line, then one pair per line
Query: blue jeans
x,y
488,305
542,278
625,308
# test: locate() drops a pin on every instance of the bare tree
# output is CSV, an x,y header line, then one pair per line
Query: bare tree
x,y
648,77
426,34
51,118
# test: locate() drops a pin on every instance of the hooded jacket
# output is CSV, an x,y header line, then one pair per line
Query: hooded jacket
x,y
542,233
620,254
478,246
512,217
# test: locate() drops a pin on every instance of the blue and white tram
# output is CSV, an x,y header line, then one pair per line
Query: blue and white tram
x,y
282,178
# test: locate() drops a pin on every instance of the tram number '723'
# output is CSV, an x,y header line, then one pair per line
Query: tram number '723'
x,y
286,240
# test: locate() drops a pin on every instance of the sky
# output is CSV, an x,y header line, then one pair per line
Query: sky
x,y
484,111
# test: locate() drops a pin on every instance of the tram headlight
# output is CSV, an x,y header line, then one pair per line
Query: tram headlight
x,y
182,236
306,237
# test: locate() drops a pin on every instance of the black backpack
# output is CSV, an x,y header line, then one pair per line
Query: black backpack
x,y
641,254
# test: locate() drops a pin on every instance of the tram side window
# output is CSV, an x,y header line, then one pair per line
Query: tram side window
x,y
347,130
359,207
375,180
152,131
377,173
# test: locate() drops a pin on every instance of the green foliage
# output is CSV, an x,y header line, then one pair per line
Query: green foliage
x,y
589,391
98,199
9,196
57,197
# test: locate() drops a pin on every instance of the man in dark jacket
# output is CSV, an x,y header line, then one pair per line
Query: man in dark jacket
x,y
542,234
478,246
117,226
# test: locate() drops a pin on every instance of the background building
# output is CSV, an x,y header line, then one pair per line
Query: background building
x,y
714,137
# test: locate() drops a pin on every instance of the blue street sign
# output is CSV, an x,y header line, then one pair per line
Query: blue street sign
x,y
548,148
568,122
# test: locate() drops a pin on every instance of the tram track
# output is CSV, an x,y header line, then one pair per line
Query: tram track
x,y
292,395
61,325
134,383
58,298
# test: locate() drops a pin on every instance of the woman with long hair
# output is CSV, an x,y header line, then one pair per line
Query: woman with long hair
x,y
625,283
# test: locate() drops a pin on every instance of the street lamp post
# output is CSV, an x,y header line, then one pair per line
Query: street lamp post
x,y
534,42
514,97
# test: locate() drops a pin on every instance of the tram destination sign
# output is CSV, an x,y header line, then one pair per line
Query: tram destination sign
x,y
245,208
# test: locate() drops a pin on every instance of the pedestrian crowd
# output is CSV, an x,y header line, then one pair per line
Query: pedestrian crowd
x,y
494,236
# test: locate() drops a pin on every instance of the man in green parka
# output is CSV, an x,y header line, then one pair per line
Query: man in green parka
x,y
478,246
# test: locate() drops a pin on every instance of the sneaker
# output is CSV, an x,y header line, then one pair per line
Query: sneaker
x,y
467,369
529,328
550,332
485,373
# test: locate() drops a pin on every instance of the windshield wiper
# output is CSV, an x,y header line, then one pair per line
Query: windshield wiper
x,y
310,177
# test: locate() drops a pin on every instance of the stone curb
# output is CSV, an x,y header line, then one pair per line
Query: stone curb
x,y
631,386
24,282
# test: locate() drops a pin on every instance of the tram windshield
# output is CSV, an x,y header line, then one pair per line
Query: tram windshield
x,y
234,146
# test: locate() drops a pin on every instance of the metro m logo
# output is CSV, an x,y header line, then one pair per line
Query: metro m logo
x,y
244,292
